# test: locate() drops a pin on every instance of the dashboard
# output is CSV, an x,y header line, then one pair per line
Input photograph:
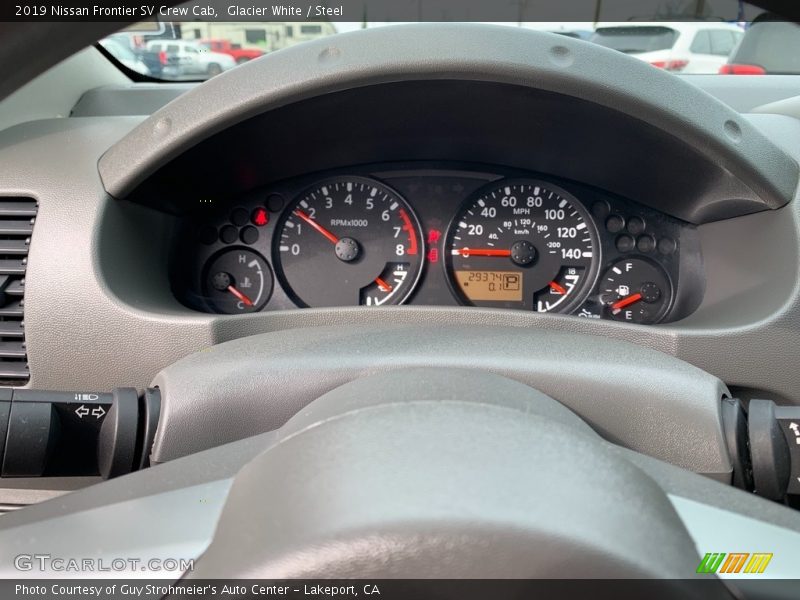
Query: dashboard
x,y
527,234
437,234
128,226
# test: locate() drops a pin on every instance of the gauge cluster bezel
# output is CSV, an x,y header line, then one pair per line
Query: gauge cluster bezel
x,y
425,187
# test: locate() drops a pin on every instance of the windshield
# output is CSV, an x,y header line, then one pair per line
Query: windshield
x,y
711,37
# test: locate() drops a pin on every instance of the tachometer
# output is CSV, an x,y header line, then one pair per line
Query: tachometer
x,y
523,244
349,241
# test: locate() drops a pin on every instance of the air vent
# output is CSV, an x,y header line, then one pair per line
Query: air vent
x,y
17,216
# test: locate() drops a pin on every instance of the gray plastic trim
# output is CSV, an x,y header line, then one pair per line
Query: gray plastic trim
x,y
165,492
426,384
745,96
789,107
463,51
177,524
131,99
638,398
23,491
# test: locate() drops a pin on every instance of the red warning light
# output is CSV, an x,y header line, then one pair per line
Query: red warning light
x,y
260,217
434,235
433,255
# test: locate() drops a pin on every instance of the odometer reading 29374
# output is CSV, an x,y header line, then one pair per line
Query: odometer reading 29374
x,y
347,242
523,244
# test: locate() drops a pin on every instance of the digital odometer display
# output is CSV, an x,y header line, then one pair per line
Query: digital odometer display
x,y
522,244
491,285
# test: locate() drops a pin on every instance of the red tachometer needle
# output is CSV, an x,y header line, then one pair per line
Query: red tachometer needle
x,y
558,289
385,287
467,252
245,300
333,239
627,301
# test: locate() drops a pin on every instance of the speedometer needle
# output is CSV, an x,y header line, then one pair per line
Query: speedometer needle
x,y
245,300
617,307
333,239
467,252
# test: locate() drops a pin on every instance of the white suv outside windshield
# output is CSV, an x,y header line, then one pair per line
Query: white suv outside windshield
x,y
702,47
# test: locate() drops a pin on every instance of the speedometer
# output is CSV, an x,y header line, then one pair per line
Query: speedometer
x,y
523,244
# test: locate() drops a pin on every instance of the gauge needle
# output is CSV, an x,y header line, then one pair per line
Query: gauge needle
x,y
467,252
331,237
385,287
627,301
557,288
245,300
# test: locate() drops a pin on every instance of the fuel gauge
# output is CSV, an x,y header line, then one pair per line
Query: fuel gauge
x,y
635,290
237,281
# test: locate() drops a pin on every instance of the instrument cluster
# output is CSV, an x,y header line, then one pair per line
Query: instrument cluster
x,y
438,236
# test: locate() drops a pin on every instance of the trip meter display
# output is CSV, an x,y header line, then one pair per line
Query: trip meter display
x,y
491,285
349,241
522,244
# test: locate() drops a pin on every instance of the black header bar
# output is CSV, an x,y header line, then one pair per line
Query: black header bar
x,y
378,11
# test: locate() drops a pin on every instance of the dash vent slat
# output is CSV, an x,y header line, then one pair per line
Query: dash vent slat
x,y
12,311
17,247
15,227
15,289
17,216
11,208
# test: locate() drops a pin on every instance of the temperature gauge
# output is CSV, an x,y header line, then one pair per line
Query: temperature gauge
x,y
385,287
237,281
635,290
559,289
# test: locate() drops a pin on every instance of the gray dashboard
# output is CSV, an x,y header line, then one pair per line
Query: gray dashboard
x,y
101,308
100,312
